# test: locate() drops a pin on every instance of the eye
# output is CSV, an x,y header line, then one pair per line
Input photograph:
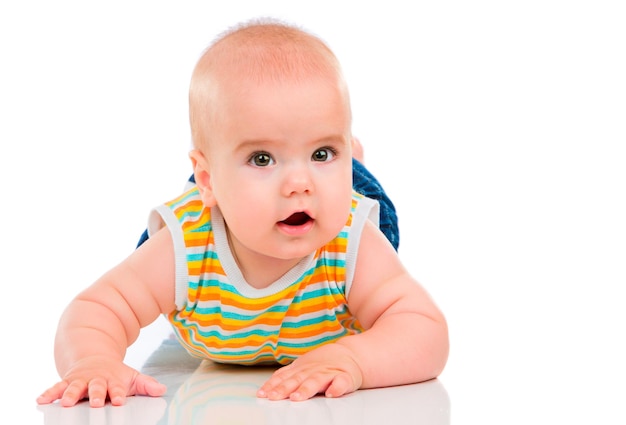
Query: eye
x,y
261,159
323,155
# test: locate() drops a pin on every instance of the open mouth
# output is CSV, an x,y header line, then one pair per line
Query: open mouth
x,y
297,219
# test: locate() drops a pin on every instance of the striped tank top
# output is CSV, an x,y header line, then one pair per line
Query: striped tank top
x,y
220,317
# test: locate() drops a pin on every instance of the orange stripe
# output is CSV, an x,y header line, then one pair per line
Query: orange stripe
x,y
300,333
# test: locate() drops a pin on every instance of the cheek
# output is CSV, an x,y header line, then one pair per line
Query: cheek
x,y
339,205
243,201
230,186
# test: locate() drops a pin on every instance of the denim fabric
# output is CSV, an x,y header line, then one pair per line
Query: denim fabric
x,y
365,184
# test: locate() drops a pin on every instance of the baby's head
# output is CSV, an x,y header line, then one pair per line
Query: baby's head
x,y
271,127
256,52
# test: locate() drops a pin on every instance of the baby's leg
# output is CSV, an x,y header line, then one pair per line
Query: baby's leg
x,y
366,184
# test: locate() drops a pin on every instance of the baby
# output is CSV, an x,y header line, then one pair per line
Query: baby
x,y
272,257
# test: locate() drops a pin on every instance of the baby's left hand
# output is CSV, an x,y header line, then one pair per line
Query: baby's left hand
x,y
330,369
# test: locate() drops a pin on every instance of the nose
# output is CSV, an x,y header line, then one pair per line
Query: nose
x,y
297,180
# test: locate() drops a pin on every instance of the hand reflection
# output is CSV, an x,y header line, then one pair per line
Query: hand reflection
x,y
227,394
206,392
137,411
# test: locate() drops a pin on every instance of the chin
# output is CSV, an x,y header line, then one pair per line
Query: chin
x,y
294,250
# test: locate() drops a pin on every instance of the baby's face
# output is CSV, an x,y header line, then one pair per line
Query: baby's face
x,y
280,165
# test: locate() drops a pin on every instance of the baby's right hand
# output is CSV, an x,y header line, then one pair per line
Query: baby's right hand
x,y
97,376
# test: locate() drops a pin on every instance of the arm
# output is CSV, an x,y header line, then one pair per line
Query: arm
x,y
104,320
400,319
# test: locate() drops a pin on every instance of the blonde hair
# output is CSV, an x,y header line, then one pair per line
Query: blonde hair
x,y
261,50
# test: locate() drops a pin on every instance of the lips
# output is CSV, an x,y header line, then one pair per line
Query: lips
x,y
297,219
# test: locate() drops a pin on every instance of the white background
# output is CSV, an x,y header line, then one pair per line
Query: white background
x,y
498,129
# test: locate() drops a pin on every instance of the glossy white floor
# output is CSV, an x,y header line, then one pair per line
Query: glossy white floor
x,y
496,127
203,392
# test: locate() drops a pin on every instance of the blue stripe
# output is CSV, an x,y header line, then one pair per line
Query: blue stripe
x,y
222,337
312,321
237,316
191,194
192,214
202,256
318,293
331,262
316,342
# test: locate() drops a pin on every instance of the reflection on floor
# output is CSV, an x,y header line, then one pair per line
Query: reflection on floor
x,y
204,392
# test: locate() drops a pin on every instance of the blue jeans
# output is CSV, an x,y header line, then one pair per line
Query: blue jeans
x,y
366,184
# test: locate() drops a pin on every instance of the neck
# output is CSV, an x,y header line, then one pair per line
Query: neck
x,y
259,270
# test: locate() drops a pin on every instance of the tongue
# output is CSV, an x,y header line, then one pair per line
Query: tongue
x,y
297,219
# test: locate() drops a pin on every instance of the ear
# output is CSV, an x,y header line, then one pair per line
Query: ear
x,y
357,150
202,175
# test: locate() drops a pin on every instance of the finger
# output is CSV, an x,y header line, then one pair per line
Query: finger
x,y
147,385
53,393
280,388
97,391
277,377
342,384
311,386
74,392
301,386
117,394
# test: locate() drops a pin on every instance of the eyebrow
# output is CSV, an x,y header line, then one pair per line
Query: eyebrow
x,y
251,144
